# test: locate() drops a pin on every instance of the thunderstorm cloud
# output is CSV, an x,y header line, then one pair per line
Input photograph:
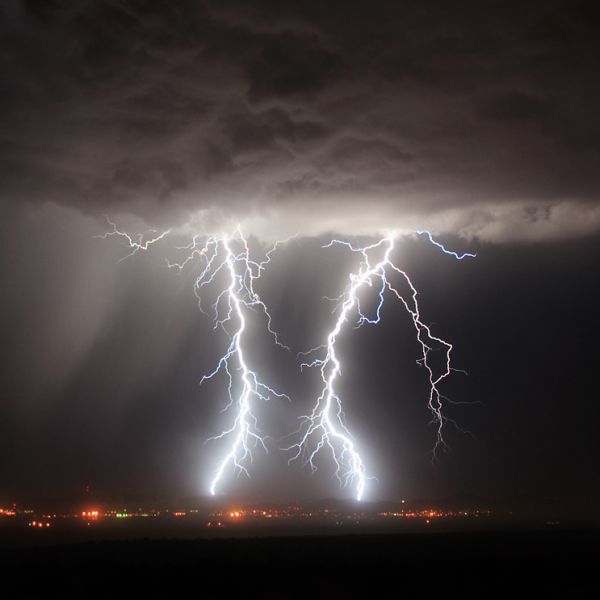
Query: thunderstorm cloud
x,y
471,118
476,120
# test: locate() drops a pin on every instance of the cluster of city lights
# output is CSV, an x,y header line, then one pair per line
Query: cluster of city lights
x,y
39,524
244,516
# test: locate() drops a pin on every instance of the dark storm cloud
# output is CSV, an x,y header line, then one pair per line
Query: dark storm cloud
x,y
467,117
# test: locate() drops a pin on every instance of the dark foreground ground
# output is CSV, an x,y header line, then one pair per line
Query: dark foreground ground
x,y
556,563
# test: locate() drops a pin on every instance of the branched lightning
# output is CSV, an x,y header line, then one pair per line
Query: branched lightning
x,y
226,259
231,258
325,426
136,242
227,266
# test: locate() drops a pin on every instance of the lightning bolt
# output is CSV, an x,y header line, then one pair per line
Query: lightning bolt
x,y
136,243
444,249
231,258
325,426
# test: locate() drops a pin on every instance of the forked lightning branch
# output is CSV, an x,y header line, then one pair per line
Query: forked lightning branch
x,y
230,257
325,427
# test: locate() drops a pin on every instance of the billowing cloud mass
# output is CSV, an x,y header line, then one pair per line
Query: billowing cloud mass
x,y
473,118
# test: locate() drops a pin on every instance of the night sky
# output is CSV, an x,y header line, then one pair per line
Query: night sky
x,y
475,120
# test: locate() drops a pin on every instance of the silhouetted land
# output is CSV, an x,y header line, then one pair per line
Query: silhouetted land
x,y
474,564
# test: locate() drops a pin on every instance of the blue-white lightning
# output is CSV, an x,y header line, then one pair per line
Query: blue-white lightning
x,y
444,249
229,258
325,427
135,242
